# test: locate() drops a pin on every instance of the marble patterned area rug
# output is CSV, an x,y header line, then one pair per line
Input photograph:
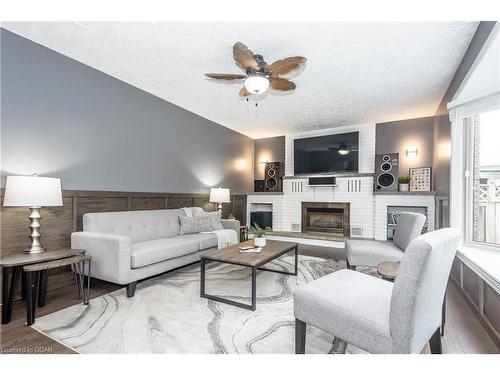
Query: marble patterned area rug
x,y
167,315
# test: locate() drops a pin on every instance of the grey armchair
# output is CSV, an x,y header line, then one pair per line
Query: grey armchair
x,y
377,315
371,253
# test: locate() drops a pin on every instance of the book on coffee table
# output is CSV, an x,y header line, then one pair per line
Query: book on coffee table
x,y
250,249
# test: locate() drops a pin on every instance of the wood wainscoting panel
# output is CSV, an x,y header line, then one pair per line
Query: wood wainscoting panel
x,y
179,201
204,203
471,284
492,308
56,227
147,203
239,208
455,270
100,204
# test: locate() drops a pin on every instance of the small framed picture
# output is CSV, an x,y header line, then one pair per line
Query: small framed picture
x,y
420,179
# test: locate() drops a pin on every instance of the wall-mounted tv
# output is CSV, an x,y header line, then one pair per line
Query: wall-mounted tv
x,y
334,153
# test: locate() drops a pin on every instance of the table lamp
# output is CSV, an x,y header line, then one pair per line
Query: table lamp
x,y
219,196
33,192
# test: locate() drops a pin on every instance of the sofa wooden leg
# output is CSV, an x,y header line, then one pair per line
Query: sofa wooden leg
x,y
435,343
300,337
131,289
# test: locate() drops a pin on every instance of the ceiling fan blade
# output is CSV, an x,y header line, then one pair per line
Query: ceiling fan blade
x,y
282,84
285,66
228,77
245,92
244,57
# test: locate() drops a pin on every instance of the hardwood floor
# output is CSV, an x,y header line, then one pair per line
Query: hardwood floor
x,y
463,332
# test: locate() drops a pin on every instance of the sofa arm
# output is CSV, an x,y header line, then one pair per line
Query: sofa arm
x,y
110,254
232,224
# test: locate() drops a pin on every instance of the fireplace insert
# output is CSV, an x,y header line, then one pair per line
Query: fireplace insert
x,y
326,217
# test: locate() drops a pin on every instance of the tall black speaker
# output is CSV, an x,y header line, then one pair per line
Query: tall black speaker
x,y
386,172
273,176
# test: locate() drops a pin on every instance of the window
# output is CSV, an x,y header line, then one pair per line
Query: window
x,y
485,167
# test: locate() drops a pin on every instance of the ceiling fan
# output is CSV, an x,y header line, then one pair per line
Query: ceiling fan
x,y
259,76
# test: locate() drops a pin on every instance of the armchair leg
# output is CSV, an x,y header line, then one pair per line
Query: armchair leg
x,y
435,343
348,265
300,337
131,289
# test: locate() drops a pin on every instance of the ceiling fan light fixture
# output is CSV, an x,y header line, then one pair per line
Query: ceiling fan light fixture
x,y
257,84
344,150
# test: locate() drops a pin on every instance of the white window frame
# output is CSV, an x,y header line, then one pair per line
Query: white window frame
x,y
462,158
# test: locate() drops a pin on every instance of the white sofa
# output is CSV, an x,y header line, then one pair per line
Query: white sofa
x,y
128,246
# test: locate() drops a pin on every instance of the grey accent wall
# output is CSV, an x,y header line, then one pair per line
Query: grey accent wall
x,y
267,149
442,153
62,118
396,136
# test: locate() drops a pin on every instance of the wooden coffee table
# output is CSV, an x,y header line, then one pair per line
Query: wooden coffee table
x,y
256,261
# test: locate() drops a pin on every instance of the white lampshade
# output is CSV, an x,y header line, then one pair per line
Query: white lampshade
x,y
219,195
32,191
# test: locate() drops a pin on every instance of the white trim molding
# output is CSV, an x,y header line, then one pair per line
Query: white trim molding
x,y
461,157
460,109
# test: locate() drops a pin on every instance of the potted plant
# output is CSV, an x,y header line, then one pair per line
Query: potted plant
x,y
404,182
259,234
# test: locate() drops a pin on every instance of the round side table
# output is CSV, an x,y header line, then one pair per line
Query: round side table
x,y
388,270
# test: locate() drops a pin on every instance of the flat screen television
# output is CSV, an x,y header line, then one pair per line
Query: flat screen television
x,y
336,153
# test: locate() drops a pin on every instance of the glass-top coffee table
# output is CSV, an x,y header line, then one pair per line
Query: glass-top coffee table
x,y
256,261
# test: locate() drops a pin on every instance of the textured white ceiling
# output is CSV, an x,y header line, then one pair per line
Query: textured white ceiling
x,y
356,72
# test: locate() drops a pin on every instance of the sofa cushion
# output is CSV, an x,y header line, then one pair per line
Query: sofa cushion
x,y
154,251
205,240
137,225
371,253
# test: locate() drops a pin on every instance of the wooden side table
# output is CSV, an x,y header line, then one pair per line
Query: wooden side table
x,y
243,233
33,278
11,268
389,271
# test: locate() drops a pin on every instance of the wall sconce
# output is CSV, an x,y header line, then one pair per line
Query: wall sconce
x,y
411,151
240,164
444,150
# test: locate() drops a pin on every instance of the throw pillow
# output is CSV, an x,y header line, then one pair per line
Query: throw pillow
x,y
200,222
195,224
215,218
191,211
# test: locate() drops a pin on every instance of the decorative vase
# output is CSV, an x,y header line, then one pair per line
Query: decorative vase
x,y
259,241
403,187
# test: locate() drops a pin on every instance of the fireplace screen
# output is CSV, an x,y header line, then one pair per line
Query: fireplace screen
x,y
330,218
325,220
